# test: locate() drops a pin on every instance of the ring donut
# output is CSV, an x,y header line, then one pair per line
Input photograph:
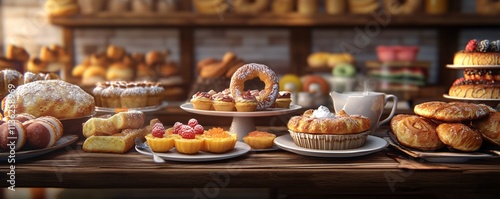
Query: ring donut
x,y
265,74
310,80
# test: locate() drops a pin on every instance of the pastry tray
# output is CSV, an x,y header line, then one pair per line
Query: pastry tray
x,y
444,155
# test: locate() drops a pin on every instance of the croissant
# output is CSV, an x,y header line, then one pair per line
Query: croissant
x,y
415,132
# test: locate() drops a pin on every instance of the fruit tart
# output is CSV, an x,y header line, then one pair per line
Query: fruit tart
x,y
259,139
188,139
158,140
219,141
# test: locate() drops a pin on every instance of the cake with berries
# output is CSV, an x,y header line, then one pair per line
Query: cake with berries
x,y
481,78
246,103
187,138
158,140
202,100
223,102
219,141
483,52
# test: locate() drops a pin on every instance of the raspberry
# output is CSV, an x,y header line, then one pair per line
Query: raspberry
x,y
158,131
158,124
177,127
187,132
471,46
198,129
192,122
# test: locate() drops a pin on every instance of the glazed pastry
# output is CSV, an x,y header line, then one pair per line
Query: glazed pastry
x,y
459,136
259,139
113,124
416,132
246,103
19,132
451,112
50,98
219,141
489,127
202,100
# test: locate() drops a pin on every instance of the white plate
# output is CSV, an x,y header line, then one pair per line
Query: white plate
x,y
239,149
470,99
373,144
471,66
142,109
268,112
65,140
273,148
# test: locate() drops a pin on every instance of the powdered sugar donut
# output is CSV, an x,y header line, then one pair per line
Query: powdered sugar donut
x,y
265,74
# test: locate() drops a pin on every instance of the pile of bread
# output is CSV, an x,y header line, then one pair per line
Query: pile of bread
x,y
118,65
115,134
460,126
51,59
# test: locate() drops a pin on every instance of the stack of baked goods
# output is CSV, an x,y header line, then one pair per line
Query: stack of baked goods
x,y
321,129
237,98
51,59
25,131
215,74
115,134
481,63
116,64
459,126
190,138
121,94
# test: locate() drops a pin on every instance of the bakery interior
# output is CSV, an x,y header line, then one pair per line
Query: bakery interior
x,y
402,48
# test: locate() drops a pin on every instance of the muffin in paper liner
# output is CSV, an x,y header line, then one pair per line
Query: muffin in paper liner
x,y
329,141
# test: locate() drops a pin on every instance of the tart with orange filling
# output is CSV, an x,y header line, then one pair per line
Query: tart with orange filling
x,y
219,141
259,139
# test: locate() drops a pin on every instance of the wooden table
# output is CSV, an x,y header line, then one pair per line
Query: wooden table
x,y
386,172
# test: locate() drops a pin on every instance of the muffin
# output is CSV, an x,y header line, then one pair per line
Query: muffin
x,y
202,101
154,92
158,140
111,95
321,129
219,141
246,103
133,96
283,100
259,139
222,102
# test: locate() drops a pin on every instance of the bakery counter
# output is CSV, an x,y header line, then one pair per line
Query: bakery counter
x,y
384,172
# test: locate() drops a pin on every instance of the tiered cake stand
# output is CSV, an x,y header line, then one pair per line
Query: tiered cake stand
x,y
491,102
243,122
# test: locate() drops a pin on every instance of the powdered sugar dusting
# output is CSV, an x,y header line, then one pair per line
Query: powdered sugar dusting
x,y
250,71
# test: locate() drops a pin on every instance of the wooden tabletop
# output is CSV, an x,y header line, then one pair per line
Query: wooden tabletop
x,y
387,171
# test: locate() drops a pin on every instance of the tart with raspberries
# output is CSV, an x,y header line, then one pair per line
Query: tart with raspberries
x,y
158,140
187,138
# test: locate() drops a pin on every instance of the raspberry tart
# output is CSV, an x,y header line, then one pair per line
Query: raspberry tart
x,y
158,140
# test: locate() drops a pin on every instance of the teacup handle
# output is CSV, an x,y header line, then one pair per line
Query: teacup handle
x,y
394,107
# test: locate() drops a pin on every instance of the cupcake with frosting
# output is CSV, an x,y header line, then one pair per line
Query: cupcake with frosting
x,y
246,103
283,100
202,100
223,102
111,95
154,92
133,96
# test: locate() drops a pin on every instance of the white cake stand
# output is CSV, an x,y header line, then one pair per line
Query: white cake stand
x,y
243,122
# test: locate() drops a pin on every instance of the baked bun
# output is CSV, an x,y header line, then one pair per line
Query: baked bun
x,y
416,132
55,98
451,112
19,132
489,127
459,136
341,124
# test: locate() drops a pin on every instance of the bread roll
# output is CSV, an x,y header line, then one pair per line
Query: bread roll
x,y
451,112
459,136
489,127
416,132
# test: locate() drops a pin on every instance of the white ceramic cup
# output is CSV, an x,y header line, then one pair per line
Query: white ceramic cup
x,y
368,104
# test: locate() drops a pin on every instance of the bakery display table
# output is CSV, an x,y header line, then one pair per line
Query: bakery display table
x,y
383,172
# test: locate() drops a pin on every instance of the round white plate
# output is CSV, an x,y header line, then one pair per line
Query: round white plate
x,y
373,144
268,112
239,149
471,66
142,109
470,99
64,141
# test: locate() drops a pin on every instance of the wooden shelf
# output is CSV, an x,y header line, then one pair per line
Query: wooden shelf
x,y
398,64
264,19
